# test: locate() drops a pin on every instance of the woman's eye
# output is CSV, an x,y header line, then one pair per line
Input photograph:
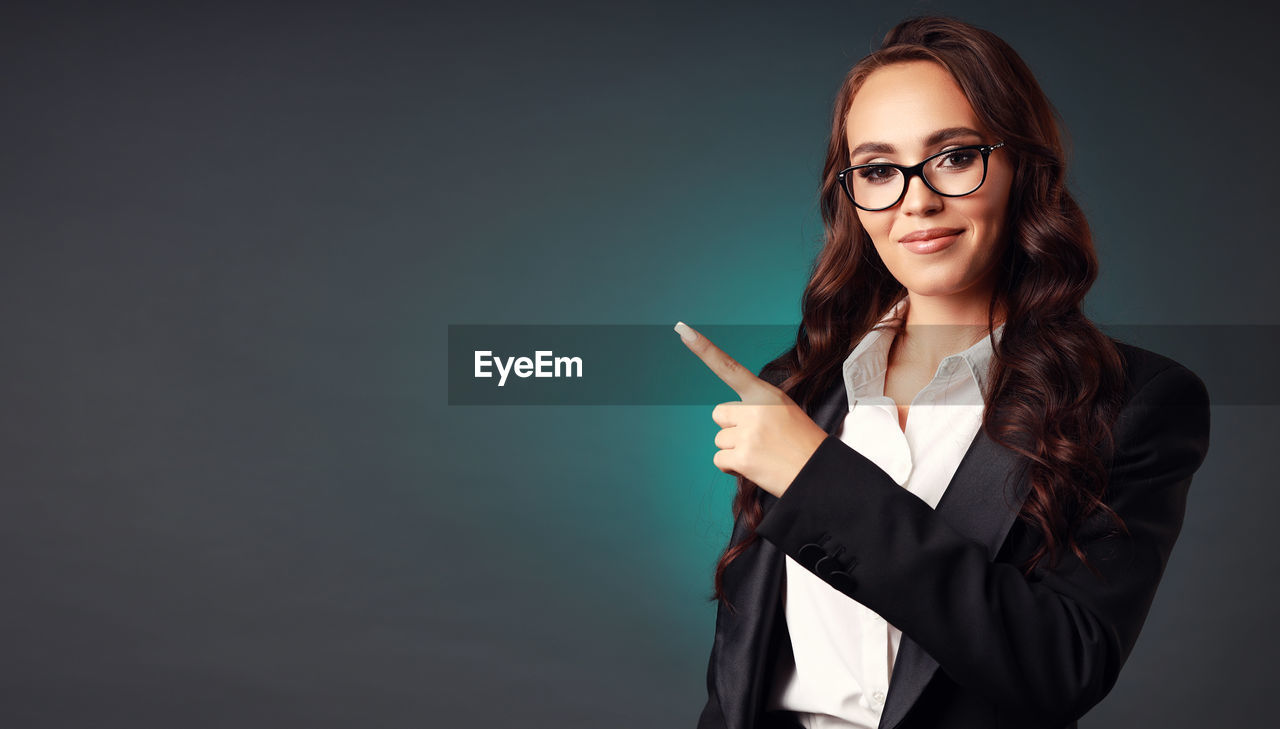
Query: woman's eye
x,y
876,174
959,158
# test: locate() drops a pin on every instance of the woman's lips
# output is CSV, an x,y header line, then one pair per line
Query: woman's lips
x,y
930,241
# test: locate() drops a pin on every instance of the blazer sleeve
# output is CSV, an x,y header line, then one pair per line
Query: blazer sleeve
x,y
1051,644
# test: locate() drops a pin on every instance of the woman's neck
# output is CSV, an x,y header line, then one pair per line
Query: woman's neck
x,y
938,327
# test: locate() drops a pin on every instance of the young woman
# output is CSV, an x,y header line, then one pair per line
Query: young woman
x,y
956,496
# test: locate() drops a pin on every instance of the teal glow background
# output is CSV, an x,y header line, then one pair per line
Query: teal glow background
x,y
235,235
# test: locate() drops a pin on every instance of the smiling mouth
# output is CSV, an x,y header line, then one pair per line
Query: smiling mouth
x,y
930,234
932,244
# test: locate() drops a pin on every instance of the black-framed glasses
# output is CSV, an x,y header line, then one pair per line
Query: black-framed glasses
x,y
953,172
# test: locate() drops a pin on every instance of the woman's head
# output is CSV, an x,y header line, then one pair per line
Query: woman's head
x,y
904,113
930,74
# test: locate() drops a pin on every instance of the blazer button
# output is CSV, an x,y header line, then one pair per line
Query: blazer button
x,y
826,566
842,581
810,554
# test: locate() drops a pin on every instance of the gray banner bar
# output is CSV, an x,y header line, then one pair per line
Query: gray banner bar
x,y
509,364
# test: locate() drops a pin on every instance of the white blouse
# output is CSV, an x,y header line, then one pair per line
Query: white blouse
x,y
844,652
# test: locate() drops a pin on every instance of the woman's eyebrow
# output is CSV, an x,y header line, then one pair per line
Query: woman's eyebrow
x,y
942,135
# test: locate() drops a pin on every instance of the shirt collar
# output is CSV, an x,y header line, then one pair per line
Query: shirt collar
x,y
864,368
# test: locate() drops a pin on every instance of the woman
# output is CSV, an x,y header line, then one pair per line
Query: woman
x,y
956,496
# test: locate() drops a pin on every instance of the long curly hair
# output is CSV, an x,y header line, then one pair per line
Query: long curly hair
x,y
1056,379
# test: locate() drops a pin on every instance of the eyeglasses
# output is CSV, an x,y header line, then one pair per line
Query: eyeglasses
x,y
951,173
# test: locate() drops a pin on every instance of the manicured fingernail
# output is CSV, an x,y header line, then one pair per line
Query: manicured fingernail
x,y
685,332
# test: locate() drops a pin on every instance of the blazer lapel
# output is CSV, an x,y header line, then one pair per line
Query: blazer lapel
x,y
744,639
979,503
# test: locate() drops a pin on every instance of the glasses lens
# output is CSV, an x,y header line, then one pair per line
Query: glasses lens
x,y
956,173
875,187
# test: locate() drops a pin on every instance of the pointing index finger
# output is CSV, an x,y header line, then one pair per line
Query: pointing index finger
x,y
742,380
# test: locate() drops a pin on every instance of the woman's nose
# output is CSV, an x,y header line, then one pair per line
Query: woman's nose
x,y
920,199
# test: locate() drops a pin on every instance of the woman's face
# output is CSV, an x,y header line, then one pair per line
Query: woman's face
x,y
901,109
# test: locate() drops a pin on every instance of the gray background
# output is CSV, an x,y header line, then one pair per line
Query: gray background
x,y
234,236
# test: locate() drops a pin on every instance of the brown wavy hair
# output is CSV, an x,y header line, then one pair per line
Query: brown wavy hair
x,y
1056,379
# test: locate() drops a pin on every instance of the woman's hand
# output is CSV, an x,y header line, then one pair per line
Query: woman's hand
x,y
765,437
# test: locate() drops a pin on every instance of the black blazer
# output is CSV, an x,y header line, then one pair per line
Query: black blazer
x,y
983,647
